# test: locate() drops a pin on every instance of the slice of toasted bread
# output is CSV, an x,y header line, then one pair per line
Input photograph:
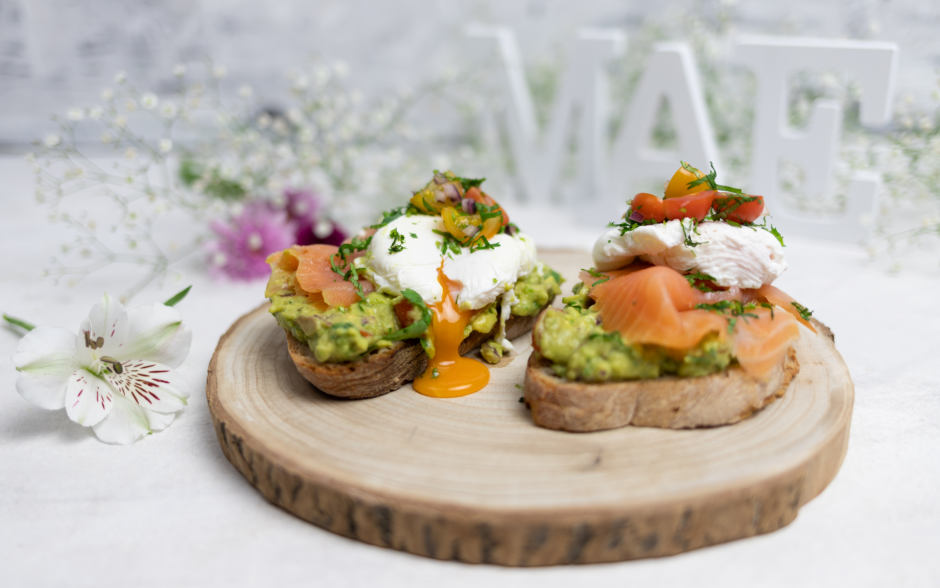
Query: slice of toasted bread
x,y
667,402
388,369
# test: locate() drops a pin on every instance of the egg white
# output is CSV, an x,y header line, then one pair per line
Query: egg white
x,y
735,256
481,276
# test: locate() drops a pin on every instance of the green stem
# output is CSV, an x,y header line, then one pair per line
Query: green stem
x,y
18,322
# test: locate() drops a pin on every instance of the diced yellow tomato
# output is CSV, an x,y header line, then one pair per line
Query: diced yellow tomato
x,y
425,201
679,184
456,222
491,226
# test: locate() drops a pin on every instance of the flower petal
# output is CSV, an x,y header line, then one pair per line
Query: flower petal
x,y
156,333
46,359
88,398
151,385
127,422
108,320
160,420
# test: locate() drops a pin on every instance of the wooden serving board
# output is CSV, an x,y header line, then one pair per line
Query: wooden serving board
x,y
473,479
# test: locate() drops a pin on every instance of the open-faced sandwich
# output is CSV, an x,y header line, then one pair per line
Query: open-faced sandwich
x,y
434,279
677,325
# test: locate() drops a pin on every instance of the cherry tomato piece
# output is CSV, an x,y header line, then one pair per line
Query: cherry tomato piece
x,y
456,223
649,206
692,206
738,208
679,184
404,310
483,198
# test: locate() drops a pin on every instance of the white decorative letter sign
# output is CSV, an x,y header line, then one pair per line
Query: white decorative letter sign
x,y
773,60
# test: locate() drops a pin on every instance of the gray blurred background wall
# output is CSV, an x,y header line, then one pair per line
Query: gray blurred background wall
x,y
58,53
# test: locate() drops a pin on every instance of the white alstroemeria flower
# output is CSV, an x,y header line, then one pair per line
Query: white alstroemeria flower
x,y
116,375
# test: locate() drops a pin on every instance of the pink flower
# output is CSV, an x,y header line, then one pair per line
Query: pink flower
x,y
242,244
302,207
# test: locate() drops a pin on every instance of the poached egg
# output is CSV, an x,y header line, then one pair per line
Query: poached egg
x,y
744,257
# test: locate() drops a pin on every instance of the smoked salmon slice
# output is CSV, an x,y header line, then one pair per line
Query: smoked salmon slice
x,y
657,305
645,307
760,343
778,297
315,275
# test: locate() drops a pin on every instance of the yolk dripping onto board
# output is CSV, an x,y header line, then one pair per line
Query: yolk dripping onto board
x,y
449,375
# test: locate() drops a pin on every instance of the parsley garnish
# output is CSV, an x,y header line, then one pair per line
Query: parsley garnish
x,y
478,246
699,277
707,178
488,212
388,216
398,242
448,243
435,373
805,313
418,327
596,274
733,307
345,250
688,237
469,183
413,236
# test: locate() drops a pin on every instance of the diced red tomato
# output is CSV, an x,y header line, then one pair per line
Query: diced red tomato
x,y
483,198
403,312
738,208
691,206
649,206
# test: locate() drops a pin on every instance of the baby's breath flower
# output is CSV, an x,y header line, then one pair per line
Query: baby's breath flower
x,y
179,70
166,145
120,77
106,137
264,120
121,121
149,100
95,113
130,105
294,116
52,139
75,113
107,94
245,91
168,109
321,76
219,71
29,157
131,153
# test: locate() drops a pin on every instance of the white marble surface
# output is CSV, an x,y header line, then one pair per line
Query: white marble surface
x,y
170,510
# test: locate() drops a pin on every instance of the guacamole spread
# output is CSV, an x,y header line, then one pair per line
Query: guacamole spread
x,y
580,349
341,334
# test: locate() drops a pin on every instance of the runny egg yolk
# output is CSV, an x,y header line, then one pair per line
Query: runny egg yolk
x,y
449,375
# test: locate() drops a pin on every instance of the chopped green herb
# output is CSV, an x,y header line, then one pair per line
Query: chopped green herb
x,y
735,308
435,373
416,328
448,244
398,242
596,274
482,243
469,183
178,296
413,236
695,278
805,313
708,178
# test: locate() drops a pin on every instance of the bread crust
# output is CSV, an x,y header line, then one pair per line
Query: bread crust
x,y
385,370
667,402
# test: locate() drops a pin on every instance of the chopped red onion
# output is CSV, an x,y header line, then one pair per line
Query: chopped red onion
x,y
439,196
468,205
637,216
451,193
471,230
439,179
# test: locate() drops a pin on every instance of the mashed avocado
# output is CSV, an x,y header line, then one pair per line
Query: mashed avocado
x,y
580,349
346,333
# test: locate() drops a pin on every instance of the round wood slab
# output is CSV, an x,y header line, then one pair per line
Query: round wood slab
x,y
473,479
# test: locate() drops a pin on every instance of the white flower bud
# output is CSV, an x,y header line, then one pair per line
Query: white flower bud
x,y
220,71
52,139
245,91
106,137
179,71
149,100
75,113
107,94
166,146
323,229
121,121
120,77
